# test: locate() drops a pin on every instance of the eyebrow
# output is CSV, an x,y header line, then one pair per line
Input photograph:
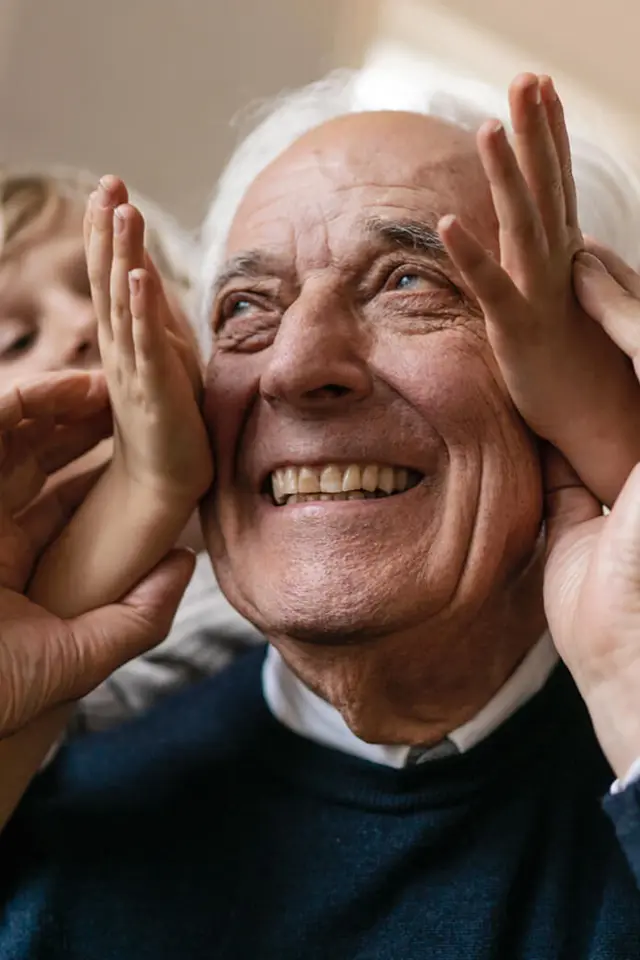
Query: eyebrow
x,y
407,234
250,264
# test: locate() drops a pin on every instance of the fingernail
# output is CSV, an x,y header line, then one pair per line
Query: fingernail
x,y
548,89
589,262
103,194
118,222
134,284
534,94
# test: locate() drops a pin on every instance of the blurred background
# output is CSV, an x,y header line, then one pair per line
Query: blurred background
x,y
149,89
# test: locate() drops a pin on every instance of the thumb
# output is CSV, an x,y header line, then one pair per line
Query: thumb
x,y
568,503
607,302
621,539
104,639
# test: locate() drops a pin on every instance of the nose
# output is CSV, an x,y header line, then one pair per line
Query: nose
x,y
319,358
77,332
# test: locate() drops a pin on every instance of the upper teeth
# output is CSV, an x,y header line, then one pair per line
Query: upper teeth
x,y
289,481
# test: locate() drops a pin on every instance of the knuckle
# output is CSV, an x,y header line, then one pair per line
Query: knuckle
x,y
97,278
526,230
120,312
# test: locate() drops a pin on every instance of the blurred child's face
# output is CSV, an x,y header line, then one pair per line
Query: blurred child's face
x,y
46,317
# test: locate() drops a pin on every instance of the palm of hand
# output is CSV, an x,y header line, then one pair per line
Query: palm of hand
x,y
43,426
159,435
20,473
570,603
17,553
30,669
592,588
553,347
149,358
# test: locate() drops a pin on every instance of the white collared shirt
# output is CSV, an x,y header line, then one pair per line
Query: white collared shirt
x,y
308,715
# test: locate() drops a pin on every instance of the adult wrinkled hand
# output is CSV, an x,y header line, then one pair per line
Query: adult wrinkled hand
x,y
46,661
592,577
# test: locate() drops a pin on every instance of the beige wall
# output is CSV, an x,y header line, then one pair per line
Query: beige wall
x,y
589,46
147,88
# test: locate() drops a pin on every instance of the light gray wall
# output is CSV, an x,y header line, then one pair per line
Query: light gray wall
x,y
147,88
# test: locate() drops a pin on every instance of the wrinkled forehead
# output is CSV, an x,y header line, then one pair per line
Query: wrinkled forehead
x,y
391,165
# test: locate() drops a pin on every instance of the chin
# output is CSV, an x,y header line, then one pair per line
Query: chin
x,y
324,605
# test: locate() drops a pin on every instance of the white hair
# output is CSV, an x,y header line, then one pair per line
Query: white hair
x,y
608,192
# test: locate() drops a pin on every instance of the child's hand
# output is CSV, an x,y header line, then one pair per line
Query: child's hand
x,y
150,363
565,376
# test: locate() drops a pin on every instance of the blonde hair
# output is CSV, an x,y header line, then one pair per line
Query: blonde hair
x,y
28,195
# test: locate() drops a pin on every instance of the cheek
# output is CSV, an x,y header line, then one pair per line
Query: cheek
x,y
42,358
448,377
12,374
230,389
491,508
51,348
452,381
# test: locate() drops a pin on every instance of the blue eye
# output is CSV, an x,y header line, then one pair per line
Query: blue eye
x,y
240,306
407,281
236,306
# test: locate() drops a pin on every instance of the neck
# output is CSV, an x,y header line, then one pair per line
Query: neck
x,y
416,686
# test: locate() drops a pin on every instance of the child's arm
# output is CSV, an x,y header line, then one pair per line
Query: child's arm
x,y
161,462
566,377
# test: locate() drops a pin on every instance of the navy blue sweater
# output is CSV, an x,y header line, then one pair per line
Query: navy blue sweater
x,y
207,830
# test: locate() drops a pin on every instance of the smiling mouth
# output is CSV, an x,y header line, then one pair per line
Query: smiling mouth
x,y
366,481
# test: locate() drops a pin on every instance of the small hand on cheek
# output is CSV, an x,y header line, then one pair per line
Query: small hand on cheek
x,y
565,375
150,362
161,464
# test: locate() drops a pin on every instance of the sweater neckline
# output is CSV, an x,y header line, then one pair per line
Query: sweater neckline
x,y
307,714
541,734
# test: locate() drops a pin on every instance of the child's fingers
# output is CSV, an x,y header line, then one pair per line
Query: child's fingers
x,y
87,222
523,244
555,118
487,280
174,320
149,335
537,156
167,314
110,193
128,254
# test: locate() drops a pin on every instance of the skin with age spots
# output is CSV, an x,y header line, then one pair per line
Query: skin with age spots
x,y
340,340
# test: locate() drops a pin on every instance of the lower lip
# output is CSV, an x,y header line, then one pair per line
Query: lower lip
x,y
321,506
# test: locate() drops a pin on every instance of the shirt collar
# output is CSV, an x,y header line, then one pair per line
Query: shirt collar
x,y
307,714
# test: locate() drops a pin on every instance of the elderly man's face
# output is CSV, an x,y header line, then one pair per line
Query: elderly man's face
x,y
348,356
